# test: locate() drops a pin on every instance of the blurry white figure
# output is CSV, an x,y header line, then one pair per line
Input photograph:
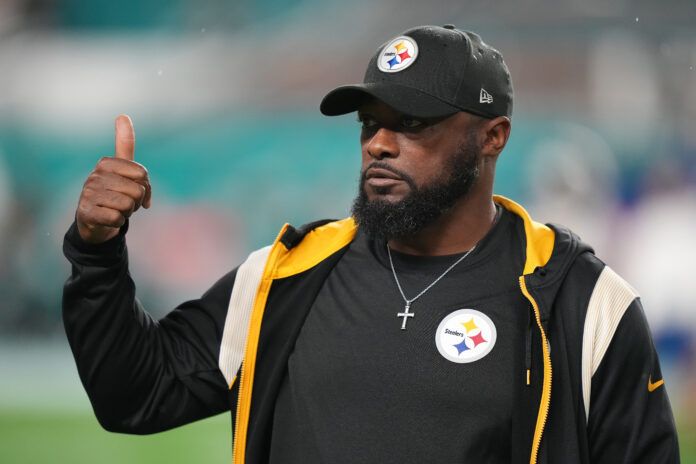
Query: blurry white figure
x,y
625,89
659,255
572,176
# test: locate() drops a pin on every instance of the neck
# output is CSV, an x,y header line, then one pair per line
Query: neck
x,y
456,231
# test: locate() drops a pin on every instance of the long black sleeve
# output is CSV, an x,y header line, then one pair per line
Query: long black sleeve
x,y
630,415
141,375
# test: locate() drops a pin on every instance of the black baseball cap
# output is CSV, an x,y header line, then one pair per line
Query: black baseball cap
x,y
431,71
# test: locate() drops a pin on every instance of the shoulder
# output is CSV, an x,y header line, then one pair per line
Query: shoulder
x,y
613,316
309,245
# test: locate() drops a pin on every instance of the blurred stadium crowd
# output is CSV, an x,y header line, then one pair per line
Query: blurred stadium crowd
x,y
224,97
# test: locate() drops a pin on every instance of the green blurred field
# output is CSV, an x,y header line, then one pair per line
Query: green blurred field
x,y
687,444
33,438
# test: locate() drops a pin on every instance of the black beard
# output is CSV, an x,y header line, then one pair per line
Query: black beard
x,y
423,205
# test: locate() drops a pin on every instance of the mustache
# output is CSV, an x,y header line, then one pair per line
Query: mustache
x,y
387,167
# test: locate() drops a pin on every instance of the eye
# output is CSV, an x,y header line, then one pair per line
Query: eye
x,y
366,121
411,123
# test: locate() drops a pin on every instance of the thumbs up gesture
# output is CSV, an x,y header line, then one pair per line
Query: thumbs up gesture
x,y
114,190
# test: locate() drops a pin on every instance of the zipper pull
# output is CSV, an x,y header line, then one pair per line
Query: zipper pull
x,y
528,347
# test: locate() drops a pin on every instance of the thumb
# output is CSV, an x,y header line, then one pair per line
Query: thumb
x,y
125,138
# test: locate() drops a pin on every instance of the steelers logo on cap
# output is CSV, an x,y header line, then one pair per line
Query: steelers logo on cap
x,y
398,55
465,336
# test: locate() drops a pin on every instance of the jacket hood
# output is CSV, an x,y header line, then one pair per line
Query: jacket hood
x,y
551,249
547,280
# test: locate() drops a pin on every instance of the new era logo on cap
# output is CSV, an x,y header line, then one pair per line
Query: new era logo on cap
x,y
485,97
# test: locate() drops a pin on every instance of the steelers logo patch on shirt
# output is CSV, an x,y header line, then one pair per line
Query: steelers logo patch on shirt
x,y
398,55
465,336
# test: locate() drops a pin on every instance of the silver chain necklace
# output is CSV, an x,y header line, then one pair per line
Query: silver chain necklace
x,y
408,302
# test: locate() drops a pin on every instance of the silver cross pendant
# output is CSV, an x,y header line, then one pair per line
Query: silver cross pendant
x,y
405,315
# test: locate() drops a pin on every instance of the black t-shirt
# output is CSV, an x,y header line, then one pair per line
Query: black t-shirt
x,y
360,389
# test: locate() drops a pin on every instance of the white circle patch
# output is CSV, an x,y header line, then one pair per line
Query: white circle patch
x,y
465,336
397,55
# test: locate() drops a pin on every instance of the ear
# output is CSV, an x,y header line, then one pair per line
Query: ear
x,y
495,134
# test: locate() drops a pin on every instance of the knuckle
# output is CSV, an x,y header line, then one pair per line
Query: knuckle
x,y
89,192
88,179
142,170
103,161
86,194
94,178
114,217
84,211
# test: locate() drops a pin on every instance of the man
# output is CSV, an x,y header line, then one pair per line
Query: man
x,y
439,323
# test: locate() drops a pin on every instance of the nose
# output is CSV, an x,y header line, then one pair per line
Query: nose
x,y
383,144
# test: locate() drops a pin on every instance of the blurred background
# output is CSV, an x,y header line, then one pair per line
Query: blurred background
x,y
224,96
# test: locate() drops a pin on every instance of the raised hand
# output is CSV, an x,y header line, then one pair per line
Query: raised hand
x,y
114,190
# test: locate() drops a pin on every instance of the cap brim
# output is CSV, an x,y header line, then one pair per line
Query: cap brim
x,y
407,100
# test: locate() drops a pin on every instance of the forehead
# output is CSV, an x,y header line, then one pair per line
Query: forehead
x,y
381,111
372,105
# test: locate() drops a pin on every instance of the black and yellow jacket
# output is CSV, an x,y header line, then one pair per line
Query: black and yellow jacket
x,y
589,391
